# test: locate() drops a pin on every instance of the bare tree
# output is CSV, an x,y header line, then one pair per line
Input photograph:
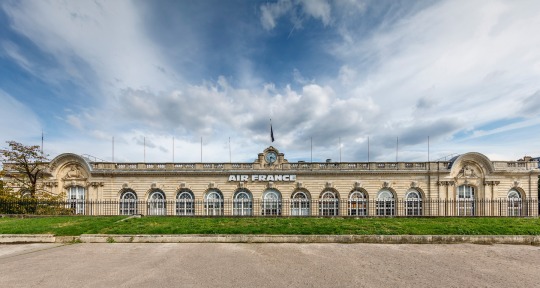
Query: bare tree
x,y
24,165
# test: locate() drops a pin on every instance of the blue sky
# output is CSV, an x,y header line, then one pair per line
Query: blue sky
x,y
463,73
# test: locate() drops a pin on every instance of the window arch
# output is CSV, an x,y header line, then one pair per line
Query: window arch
x,y
213,203
76,199
413,203
515,204
357,204
329,203
26,194
386,203
465,200
185,203
271,205
300,204
128,203
242,203
156,203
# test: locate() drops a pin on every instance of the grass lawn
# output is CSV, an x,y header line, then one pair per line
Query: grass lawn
x,y
76,225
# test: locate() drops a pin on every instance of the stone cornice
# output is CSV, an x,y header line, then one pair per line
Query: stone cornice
x,y
224,173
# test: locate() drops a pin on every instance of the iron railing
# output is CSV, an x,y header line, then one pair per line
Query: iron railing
x,y
286,207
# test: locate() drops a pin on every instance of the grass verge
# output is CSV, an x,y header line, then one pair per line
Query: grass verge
x,y
77,225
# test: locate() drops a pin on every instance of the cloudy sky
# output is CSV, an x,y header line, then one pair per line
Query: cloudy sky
x,y
466,74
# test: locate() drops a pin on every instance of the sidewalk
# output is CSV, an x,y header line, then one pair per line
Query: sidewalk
x,y
238,238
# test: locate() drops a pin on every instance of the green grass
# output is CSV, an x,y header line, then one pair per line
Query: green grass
x,y
76,225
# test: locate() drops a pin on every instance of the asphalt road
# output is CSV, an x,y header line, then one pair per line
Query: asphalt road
x,y
268,265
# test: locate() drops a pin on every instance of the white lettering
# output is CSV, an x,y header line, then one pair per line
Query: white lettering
x,y
262,177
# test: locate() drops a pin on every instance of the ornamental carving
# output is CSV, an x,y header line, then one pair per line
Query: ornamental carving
x,y
467,171
50,184
492,183
73,171
97,184
445,183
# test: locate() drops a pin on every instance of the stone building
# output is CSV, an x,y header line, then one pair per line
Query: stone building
x,y
467,185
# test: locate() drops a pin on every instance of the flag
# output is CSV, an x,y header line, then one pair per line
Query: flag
x,y
271,133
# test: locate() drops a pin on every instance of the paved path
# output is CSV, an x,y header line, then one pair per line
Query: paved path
x,y
268,265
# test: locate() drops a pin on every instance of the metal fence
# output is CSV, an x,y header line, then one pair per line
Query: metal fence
x,y
289,207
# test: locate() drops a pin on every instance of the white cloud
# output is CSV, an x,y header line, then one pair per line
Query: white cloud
x,y
318,9
270,12
19,122
441,71
296,9
12,51
108,36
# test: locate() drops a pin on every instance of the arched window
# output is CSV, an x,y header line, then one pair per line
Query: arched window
x,y
25,194
156,203
185,203
271,202
300,204
242,203
128,203
465,200
329,204
357,204
386,204
413,203
76,199
213,203
515,204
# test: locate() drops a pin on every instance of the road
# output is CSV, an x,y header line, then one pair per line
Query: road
x,y
269,265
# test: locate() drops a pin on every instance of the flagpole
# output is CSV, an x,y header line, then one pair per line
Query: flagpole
x,y
428,149
173,149
201,149
368,149
271,132
397,147
41,142
113,149
144,144
339,149
311,149
230,153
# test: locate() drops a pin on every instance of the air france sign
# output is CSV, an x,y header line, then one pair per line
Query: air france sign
x,y
263,177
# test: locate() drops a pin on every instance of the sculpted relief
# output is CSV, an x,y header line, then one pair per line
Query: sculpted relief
x,y
73,171
468,171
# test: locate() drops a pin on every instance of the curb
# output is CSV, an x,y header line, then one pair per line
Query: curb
x,y
26,238
234,238
378,239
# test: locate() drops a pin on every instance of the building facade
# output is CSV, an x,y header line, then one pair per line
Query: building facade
x,y
467,185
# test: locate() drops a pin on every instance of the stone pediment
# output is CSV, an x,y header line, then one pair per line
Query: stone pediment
x,y
73,172
468,171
